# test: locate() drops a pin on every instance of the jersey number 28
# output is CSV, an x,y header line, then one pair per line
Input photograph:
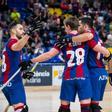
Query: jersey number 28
x,y
79,54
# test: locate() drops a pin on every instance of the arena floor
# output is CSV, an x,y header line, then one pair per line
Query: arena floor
x,y
46,99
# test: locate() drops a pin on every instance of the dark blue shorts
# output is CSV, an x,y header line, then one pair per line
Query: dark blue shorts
x,y
98,78
70,88
15,93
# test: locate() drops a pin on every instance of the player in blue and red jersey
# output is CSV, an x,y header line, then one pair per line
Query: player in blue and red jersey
x,y
95,63
76,73
11,58
98,74
93,44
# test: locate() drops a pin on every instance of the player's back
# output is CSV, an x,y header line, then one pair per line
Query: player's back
x,y
10,62
75,55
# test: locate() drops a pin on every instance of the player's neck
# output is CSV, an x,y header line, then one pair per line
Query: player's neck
x,y
74,32
13,36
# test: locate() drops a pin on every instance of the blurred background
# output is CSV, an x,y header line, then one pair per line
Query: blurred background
x,y
52,13
48,74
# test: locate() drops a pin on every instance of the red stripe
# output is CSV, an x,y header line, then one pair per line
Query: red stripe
x,y
79,71
92,43
11,42
5,77
79,68
67,73
85,105
65,106
7,61
19,107
94,103
99,63
56,48
68,69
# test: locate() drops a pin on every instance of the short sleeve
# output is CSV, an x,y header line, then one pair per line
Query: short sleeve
x,y
94,41
11,42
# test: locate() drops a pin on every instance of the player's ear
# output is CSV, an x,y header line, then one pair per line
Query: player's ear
x,y
69,26
13,31
85,27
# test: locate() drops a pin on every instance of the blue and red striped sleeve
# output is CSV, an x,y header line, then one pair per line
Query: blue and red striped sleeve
x,y
11,42
93,42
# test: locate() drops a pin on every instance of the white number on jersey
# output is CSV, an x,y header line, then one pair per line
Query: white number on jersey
x,y
3,64
79,53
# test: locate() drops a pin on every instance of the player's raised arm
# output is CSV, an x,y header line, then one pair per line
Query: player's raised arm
x,y
18,39
79,38
20,43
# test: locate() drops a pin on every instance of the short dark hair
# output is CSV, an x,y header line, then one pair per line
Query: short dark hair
x,y
73,22
87,20
12,25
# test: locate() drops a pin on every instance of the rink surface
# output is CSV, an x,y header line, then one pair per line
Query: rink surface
x,y
46,99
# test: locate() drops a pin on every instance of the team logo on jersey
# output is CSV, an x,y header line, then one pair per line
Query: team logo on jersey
x,y
103,77
8,85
